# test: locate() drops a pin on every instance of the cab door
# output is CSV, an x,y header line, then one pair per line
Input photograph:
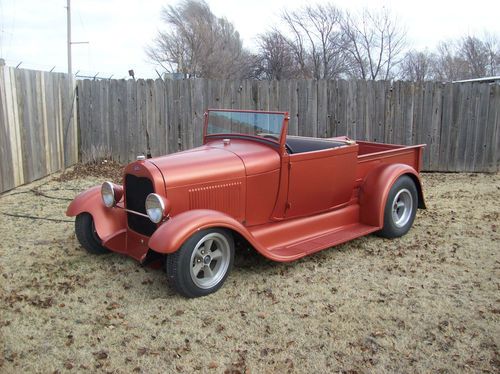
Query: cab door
x,y
320,180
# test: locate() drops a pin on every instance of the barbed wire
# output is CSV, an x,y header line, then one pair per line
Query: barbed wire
x,y
82,74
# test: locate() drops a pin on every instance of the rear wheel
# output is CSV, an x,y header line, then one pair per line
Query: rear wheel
x,y
400,208
202,264
87,234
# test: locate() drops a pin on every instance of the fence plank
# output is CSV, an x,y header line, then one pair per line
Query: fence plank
x,y
322,108
425,130
399,110
158,129
369,111
470,139
284,99
142,117
462,127
68,130
435,126
493,158
7,178
15,123
481,125
26,113
274,96
199,103
263,95
49,119
293,89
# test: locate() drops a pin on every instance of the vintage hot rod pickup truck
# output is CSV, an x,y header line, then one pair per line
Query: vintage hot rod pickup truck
x,y
286,196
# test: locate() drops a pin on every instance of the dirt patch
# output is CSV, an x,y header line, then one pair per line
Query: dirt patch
x,y
428,302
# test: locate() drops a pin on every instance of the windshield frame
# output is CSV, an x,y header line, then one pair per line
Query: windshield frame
x,y
280,143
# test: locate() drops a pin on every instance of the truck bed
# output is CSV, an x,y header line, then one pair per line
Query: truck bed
x,y
371,154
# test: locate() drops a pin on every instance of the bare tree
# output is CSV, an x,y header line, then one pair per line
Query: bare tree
x,y
447,65
417,66
276,57
480,56
198,44
374,42
492,44
316,40
475,54
468,57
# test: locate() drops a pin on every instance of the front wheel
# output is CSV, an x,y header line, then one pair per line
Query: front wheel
x,y
400,208
87,234
202,264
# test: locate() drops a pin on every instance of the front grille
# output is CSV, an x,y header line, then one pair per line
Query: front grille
x,y
136,191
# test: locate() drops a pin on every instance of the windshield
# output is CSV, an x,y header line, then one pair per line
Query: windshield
x,y
262,124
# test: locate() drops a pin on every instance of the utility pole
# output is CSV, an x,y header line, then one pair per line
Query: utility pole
x,y
69,42
68,15
70,83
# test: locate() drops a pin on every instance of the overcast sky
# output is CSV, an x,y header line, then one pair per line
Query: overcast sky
x,y
34,32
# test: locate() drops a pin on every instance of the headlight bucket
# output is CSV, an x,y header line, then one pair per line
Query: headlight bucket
x,y
111,194
157,207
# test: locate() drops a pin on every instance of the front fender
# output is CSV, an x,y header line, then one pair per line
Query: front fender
x,y
375,190
173,233
107,221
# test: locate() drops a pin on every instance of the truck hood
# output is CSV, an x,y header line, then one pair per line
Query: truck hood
x,y
216,161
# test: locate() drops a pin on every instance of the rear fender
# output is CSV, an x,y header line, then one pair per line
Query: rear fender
x,y
169,237
375,190
107,221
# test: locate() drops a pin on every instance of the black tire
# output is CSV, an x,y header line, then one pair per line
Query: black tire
x,y
87,236
187,270
400,208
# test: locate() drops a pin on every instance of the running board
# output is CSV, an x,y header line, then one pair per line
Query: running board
x,y
315,244
291,239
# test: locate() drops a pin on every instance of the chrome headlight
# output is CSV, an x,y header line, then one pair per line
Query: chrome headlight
x,y
108,194
155,207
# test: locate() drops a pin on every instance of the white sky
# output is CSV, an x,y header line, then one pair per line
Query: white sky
x,y
34,31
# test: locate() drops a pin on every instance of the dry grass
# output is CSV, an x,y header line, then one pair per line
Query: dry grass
x,y
428,302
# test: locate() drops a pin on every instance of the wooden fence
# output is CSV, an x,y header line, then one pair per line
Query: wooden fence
x,y
38,127
459,122
119,119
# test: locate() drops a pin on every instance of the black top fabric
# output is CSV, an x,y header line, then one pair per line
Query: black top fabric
x,y
301,145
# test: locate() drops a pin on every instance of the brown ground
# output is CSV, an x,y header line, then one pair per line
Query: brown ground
x,y
428,302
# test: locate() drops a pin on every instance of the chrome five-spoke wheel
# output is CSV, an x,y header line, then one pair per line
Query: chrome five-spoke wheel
x,y
400,208
210,260
202,264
